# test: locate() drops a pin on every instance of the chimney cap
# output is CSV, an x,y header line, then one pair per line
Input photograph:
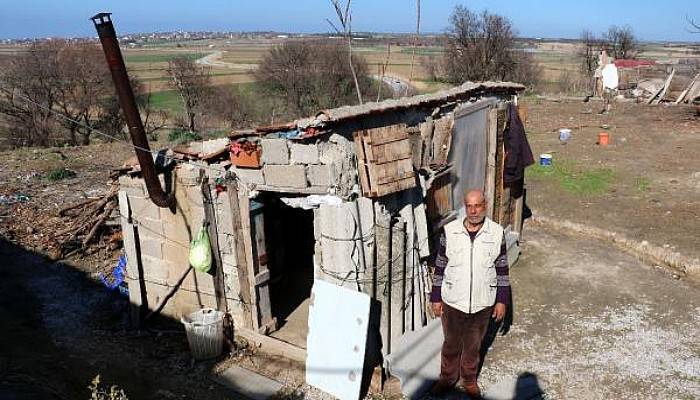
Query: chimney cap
x,y
101,17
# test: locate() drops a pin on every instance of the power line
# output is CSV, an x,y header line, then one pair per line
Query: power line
x,y
121,140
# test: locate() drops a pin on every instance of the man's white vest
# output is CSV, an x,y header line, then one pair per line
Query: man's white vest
x,y
469,283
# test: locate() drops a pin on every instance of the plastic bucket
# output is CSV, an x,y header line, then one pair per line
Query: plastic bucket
x,y
603,139
564,135
545,159
205,333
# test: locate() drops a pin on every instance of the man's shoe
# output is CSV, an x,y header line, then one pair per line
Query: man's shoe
x,y
440,388
471,389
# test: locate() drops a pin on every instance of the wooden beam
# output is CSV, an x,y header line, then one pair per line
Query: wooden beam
x,y
218,270
490,180
273,346
244,207
137,292
242,263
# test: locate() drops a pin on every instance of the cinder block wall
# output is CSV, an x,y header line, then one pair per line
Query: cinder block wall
x,y
320,166
163,242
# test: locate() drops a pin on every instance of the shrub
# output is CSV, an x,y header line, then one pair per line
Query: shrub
x,y
60,174
183,136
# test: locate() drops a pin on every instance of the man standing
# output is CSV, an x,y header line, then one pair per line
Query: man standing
x,y
470,287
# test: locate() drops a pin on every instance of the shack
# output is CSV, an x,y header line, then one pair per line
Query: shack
x,y
352,197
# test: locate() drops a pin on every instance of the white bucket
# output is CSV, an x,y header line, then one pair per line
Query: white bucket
x,y
205,333
564,135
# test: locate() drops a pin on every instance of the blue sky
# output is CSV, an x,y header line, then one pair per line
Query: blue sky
x,y
650,20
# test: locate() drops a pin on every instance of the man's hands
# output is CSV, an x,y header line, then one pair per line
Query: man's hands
x,y
499,311
437,309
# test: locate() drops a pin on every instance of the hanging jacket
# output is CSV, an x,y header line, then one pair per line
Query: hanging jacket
x,y
518,152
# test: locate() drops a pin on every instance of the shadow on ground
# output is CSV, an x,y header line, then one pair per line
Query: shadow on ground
x,y
61,328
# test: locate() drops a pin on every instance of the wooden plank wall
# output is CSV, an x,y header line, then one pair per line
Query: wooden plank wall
x,y
385,161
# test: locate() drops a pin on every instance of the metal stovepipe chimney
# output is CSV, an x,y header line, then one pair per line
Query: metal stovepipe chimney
x,y
115,61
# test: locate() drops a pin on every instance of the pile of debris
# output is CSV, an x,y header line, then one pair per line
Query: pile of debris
x,y
86,222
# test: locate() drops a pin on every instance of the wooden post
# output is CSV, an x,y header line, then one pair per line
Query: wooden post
x,y
491,143
244,208
210,220
242,263
130,236
261,278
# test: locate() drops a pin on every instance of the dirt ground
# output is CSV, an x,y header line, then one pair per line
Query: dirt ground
x,y
591,323
645,184
61,329
606,327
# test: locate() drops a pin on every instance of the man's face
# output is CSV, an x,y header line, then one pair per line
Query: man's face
x,y
476,208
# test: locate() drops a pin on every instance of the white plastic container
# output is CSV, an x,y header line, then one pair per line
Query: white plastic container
x,y
205,333
564,135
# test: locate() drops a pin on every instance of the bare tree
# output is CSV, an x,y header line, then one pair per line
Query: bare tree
x,y
482,47
29,91
695,27
59,92
588,52
228,105
345,18
84,82
311,75
193,83
111,118
620,42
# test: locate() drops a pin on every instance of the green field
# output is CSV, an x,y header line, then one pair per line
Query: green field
x,y
167,100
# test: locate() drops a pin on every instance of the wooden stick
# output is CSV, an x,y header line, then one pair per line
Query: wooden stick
x,y
107,212
168,295
62,211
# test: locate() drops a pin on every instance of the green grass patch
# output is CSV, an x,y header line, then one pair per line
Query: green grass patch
x,y
642,184
183,136
157,58
572,178
60,174
168,100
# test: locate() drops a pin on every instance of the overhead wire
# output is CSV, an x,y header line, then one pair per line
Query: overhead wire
x,y
156,153
343,277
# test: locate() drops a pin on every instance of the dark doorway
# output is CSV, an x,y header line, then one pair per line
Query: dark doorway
x,y
289,238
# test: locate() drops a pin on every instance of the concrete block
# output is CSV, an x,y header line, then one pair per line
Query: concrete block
x,y
304,153
177,232
133,191
187,175
143,207
199,282
188,215
151,246
275,151
129,181
320,175
149,227
194,195
155,269
250,176
176,252
293,176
